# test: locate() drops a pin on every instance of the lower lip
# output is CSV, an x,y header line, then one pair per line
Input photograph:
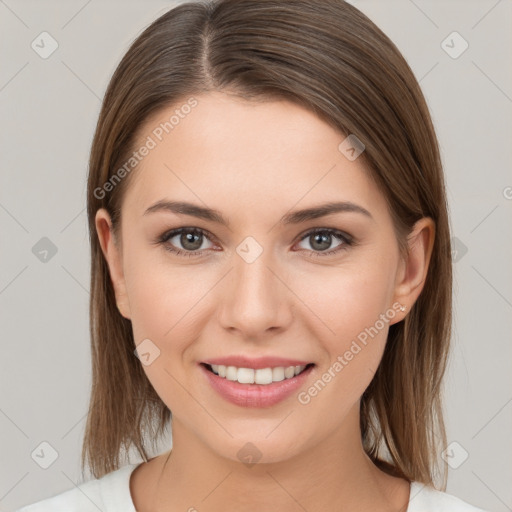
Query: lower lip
x,y
255,395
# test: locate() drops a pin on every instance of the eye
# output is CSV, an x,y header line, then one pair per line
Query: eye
x,y
190,239
321,238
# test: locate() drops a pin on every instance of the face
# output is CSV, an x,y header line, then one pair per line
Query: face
x,y
267,286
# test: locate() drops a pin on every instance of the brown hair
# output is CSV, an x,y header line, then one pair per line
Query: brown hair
x,y
330,58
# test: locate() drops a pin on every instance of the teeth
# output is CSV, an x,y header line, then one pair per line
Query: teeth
x,y
259,376
278,374
289,372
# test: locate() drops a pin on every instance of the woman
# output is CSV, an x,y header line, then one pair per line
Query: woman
x,y
271,263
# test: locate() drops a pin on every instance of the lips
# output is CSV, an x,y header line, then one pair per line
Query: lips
x,y
248,384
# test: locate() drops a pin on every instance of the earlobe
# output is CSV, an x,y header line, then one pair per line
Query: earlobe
x,y
113,256
414,268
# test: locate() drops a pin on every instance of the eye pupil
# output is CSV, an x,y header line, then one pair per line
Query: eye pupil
x,y
321,238
192,238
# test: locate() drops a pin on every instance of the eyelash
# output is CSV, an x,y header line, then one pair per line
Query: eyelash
x,y
347,240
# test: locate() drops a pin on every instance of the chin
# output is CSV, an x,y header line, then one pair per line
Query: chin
x,y
259,448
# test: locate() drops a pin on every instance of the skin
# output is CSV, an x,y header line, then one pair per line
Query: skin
x,y
239,157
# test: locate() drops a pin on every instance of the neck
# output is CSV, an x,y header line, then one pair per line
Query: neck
x,y
335,474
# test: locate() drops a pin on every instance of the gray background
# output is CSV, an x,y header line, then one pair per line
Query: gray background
x,y
49,108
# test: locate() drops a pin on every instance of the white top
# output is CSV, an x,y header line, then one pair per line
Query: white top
x,y
111,493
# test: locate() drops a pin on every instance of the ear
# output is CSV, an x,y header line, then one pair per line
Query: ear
x,y
413,269
113,255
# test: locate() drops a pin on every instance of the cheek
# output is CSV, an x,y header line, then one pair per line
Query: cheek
x,y
347,299
163,297
169,305
165,305
350,320
354,312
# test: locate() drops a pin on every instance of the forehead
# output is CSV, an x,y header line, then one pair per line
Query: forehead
x,y
245,156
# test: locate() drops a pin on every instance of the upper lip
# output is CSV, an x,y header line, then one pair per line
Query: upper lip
x,y
256,363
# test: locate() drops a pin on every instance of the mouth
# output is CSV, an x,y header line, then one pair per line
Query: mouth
x,y
257,376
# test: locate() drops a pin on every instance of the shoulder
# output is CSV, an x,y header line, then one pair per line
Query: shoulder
x,y
110,493
424,498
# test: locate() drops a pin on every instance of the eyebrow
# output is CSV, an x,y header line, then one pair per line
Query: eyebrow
x,y
295,217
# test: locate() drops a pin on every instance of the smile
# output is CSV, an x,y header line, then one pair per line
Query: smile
x,y
263,376
256,387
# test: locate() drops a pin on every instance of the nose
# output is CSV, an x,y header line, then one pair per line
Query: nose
x,y
255,300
